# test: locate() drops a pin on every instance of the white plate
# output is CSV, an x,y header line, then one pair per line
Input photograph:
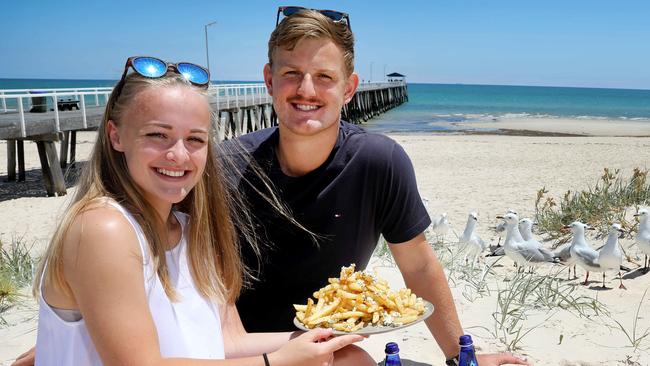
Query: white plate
x,y
372,329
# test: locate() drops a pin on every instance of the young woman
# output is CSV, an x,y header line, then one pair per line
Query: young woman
x,y
146,262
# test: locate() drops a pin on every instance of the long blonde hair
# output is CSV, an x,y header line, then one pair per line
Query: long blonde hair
x,y
213,249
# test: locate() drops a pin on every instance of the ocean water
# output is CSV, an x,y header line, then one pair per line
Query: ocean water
x,y
436,107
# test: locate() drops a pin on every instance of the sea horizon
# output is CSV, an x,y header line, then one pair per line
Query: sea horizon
x,y
2,86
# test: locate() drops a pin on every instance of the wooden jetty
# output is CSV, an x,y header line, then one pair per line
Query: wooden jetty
x,y
238,109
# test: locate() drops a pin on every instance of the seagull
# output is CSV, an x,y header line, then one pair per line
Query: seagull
x,y
585,256
564,253
643,235
440,225
610,256
500,228
526,228
523,252
469,240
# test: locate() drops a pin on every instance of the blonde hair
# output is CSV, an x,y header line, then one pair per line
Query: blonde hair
x,y
213,248
310,24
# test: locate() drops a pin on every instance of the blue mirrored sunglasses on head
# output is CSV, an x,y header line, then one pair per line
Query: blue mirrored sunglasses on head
x,y
152,67
335,15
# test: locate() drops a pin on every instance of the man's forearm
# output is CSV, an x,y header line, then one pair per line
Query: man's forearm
x,y
431,284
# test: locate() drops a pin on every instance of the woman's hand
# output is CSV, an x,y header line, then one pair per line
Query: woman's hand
x,y
315,347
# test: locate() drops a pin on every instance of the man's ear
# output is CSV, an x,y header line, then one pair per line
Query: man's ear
x,y
351,86
268,80
114,136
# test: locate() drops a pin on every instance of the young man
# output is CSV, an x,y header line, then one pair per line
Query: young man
x,y
344,185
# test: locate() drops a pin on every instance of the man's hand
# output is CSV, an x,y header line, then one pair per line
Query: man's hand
x,y
495,359
26,359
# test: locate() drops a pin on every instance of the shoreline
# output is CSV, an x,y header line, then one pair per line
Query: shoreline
x,y
560,127
531,126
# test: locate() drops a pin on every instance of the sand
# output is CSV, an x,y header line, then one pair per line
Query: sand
x,y
457,174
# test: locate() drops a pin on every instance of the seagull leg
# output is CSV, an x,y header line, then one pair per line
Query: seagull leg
x,y
586,278
604,280
575,275
621,286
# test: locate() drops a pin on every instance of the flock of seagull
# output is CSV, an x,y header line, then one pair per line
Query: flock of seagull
x,y
521,246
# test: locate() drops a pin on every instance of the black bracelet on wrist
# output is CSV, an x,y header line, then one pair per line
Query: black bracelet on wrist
x,y
266,359
452,361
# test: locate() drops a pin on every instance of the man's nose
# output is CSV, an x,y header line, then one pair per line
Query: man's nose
x,y
306,87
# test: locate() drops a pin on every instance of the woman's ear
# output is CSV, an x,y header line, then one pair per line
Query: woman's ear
x,y
114,136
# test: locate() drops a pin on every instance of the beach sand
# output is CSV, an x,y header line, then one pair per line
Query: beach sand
x,y
457,174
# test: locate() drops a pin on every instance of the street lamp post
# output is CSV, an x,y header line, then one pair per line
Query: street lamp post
x,y
207,54
371,71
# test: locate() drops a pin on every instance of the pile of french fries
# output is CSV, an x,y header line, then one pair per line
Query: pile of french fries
x,y
358,299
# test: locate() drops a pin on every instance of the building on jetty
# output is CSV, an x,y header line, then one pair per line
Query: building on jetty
x,y
238,109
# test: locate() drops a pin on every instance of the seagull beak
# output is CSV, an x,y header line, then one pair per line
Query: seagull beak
x,y
499,217
636,215
566,227
535,224
591,228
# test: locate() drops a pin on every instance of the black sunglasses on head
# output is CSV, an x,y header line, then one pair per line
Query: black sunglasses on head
x,y
335,15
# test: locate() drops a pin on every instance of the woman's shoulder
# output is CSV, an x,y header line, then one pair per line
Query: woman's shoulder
x,y
101,228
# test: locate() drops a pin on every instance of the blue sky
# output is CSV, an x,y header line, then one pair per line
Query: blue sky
x,y
590,43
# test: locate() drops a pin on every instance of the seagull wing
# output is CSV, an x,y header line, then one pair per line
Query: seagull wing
x,y
587,256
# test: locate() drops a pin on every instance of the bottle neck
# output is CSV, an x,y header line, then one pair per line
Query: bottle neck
x,y
392,359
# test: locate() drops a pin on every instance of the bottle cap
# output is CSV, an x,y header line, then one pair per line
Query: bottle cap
x,y
465,340
391,347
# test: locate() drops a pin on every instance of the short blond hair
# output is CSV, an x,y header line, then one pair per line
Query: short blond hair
x,y
310,24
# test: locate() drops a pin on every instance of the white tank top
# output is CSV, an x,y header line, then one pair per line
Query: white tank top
x,y
188,328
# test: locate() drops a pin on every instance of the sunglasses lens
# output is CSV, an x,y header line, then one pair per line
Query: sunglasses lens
x,y
194,73
291,10
149,67
334,15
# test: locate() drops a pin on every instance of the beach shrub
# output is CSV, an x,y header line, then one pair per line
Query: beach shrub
x,y
528,296
599,206
16,271
634,334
